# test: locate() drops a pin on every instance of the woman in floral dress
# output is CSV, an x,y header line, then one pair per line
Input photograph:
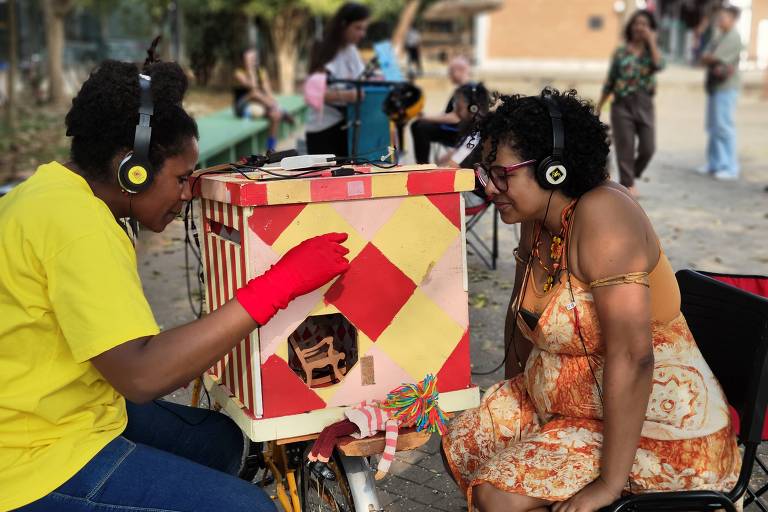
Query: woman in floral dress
x,y
606,391
631,82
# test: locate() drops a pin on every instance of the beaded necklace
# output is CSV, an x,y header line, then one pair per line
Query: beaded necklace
x,y
555,247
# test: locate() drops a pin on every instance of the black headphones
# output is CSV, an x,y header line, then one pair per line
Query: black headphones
x,y
551,172
135,172
472,106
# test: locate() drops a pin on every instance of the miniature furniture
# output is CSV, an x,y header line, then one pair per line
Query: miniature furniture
x,y
317,357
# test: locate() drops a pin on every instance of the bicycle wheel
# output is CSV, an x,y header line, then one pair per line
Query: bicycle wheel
x,y
325,495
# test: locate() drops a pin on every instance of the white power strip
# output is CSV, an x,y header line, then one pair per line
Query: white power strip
x,y
296,163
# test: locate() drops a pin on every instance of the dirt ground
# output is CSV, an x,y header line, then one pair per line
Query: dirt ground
x,y
702,224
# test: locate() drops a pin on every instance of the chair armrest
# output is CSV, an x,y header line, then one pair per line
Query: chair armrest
x,y
677,500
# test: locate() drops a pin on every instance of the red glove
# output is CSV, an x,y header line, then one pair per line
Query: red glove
x,y
306,267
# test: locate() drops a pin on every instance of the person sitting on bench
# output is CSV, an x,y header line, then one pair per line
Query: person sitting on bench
x,y
442,128
253,97
471,102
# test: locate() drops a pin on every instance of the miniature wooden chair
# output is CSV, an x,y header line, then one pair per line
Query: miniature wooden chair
x,y
319,356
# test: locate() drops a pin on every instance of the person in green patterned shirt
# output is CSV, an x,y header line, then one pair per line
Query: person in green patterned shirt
x,y
632,83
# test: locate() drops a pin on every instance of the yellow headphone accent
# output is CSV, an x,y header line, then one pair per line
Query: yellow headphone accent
x,y
137,175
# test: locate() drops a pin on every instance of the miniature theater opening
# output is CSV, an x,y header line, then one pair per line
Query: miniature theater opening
x,y
322,349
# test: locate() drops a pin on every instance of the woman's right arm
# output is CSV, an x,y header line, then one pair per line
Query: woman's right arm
x,y
150,367
522,347
153,366
610,80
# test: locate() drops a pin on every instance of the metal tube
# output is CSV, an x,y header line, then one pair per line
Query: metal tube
x,y
362,485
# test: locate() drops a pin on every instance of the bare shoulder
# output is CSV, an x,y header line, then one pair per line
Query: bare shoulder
x,y
612,234
610,209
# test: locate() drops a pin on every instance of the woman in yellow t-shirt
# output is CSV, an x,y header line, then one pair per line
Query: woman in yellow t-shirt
x,y
81,357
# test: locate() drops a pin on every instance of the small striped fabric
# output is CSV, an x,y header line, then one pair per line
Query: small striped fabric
x,y
371,419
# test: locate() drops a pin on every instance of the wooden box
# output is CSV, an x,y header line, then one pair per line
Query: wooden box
x,y
399,313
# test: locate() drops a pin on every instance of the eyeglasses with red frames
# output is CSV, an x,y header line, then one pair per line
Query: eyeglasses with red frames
x,y
497,174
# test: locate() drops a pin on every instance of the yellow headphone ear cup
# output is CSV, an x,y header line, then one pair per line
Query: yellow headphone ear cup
x,y
137,175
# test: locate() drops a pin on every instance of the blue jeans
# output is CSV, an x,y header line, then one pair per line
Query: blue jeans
x,y
721,146
171,458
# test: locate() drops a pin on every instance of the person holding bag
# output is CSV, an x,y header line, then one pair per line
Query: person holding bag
x,y
336,56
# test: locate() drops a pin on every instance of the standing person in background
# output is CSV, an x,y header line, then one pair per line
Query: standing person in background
x,y
632,83
412,48
337,56
442,128
721,58
253,97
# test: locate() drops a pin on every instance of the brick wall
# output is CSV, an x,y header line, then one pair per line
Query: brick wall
x,y
553,29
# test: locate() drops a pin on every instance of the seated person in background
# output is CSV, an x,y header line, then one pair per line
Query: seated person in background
x,y
442,128
471,103
253,97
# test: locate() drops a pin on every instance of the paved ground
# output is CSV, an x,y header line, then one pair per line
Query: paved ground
x,y
702,224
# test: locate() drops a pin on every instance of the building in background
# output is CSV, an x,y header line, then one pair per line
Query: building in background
x,y
582,34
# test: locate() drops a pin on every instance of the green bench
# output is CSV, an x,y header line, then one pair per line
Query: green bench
x,y
225,138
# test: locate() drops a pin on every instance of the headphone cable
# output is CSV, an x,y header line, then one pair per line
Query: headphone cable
x,y
518,302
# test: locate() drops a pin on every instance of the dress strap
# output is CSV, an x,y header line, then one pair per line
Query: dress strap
x,y
630,278
518,258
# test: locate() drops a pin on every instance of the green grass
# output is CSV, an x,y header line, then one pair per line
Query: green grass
x,y
39,138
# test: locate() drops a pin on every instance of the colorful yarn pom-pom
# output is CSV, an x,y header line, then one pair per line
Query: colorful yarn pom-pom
x,y
416,404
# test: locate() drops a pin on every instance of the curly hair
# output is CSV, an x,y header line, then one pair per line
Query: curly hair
x,y
104,114
640,12
523,123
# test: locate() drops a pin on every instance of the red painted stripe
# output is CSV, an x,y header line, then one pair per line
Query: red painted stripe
x,y
243,279
379,418
216,296
207,257
238,348
339,189
230,381
431,182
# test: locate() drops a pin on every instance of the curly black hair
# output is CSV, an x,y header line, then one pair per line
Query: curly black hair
x,y
523,123
640,12
104,114
475,93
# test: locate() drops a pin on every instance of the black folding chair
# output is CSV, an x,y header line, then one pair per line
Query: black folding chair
x,y
479,247
730,326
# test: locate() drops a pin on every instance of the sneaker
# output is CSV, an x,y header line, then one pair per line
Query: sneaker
x,y
725,176
703,169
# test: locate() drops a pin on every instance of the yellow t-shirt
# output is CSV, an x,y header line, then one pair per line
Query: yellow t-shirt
x,y
69,291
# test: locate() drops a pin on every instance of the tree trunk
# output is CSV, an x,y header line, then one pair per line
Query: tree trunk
x,y
54,12
285,31
407,15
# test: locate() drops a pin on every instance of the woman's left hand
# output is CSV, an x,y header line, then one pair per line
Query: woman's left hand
x,y
591,498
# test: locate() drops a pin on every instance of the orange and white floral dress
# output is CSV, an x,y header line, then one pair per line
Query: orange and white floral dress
x,y
540,433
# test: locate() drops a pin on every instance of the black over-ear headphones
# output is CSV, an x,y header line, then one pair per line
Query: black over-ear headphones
x,y
135,172
472,106
551,172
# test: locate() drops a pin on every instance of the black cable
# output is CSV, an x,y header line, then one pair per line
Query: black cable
x,y
365,161
189,216
518,301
